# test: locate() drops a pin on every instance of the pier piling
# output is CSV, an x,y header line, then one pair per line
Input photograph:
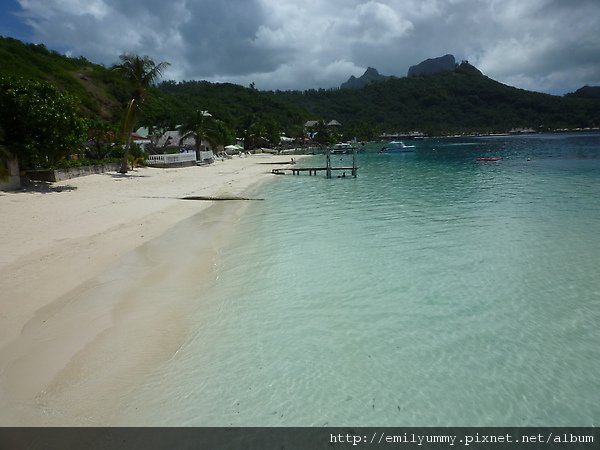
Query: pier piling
x,y
329,168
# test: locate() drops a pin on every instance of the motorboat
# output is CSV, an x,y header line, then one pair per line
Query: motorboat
x,y
343,148
397,147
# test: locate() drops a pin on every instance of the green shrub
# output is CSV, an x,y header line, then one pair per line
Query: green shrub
x,y
82,162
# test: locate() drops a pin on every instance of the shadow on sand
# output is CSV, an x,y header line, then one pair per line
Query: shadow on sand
x,y
44,187
124,176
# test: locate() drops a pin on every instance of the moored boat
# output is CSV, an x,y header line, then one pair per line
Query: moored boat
x,y
397,147
343,147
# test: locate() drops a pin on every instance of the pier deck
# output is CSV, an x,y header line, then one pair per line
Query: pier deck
x,y
312,170
327,169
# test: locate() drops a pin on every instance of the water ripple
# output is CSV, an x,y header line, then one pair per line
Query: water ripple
x,y
431,290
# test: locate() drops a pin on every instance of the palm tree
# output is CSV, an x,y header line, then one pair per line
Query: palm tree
x,y
324,135
202,127
141,72
223,135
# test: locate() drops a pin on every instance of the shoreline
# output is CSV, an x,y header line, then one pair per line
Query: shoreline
x,y
96,265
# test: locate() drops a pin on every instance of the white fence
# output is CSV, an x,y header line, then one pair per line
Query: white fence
x,y
207,156
170,159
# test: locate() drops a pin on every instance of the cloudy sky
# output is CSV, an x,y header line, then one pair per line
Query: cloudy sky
x,y
543,45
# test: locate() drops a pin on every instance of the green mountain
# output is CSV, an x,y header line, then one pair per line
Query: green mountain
x,y
371,75
432,65
100,91
452,101
586,92
447,102
103,94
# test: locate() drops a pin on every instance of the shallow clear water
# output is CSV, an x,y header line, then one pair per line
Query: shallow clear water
x,y
431,290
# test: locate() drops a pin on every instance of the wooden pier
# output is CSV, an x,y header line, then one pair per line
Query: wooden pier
x,y
314,170
328,169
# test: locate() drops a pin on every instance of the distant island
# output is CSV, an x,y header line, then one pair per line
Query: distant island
x,y
369,76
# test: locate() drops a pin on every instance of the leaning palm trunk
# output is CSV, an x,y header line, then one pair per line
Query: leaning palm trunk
x,y
128,124
198,148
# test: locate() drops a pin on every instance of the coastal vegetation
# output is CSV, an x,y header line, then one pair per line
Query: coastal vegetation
x,y
141,73
101,92
202,126
40,123
250,113
37,83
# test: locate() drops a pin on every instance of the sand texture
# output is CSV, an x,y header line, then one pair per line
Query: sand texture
x,y
93,273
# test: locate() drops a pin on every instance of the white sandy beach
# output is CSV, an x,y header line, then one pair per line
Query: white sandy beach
x,y
87,303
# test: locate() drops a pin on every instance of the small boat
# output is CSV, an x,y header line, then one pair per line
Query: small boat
x,y
397,147
342,148
488,159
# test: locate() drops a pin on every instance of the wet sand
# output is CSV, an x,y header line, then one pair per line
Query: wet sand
x,y
96,284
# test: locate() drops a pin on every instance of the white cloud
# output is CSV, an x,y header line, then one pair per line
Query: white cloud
x,y
376,23
319,43
53,9
296,75
542,48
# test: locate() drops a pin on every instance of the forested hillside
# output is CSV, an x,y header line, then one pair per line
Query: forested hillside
x,y
460,100
100,91
238,106
448,102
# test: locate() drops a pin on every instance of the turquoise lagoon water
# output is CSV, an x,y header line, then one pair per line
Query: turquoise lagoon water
x,y
431,290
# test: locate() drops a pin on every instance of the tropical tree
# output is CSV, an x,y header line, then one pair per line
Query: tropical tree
x,y
324,135
141,72
254,136
272,134
201,126
259,131
223,135
40,123
100,135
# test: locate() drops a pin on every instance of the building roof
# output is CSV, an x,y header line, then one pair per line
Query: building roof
x,y
143,132
311,123
314,123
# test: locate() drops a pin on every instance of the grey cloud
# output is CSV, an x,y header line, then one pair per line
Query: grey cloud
x,y
550,45
219,38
